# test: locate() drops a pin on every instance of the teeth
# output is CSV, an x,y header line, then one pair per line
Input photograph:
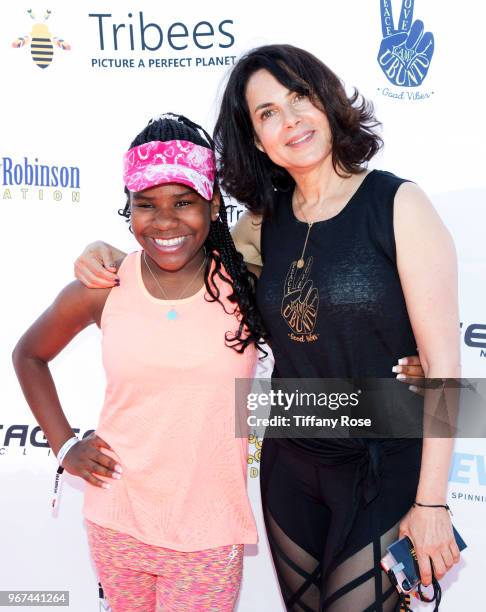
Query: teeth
x,y
170,242
301,139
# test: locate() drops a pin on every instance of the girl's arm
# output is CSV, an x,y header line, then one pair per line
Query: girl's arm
x,y
75,308
427,266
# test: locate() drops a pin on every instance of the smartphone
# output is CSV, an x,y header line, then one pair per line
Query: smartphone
x,y
401,561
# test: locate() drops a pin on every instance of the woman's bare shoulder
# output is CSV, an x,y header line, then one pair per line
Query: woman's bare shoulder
x,y
247,236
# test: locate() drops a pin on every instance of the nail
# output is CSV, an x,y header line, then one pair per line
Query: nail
x,y
105,485
401,376
112,265
402,361
118,468
116,475
396,369
117,282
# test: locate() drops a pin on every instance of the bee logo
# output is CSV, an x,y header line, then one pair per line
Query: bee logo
x,y
42,42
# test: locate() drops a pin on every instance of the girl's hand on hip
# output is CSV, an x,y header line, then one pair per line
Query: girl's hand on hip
x,y
85,459
430,530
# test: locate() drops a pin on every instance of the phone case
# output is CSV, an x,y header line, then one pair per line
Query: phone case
x,y
402,561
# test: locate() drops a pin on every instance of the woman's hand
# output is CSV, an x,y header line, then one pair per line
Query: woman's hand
x,y
430,530
85,459
409,370
97,265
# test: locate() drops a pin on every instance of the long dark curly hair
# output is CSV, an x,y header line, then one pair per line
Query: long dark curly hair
x,y
249,175
223,260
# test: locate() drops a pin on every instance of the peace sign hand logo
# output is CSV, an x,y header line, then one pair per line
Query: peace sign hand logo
x,y
406,52
301,299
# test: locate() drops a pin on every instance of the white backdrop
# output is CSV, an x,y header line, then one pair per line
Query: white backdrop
x,y
75,113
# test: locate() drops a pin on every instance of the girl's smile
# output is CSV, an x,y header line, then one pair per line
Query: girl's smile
x,y
169,245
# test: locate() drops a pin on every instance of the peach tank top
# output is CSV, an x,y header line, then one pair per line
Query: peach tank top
x,y
169,416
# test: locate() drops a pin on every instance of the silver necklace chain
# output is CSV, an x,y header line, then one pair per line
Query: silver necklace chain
x,y
164,294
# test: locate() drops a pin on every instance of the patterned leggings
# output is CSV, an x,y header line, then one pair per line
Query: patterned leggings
x,y
145,578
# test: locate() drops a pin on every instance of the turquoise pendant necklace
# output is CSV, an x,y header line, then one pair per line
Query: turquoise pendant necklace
x,y
172,313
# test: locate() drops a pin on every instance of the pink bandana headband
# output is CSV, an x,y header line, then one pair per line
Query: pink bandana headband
x,y
175,161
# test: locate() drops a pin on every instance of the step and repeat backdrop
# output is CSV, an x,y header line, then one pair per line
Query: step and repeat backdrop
x,y
67,117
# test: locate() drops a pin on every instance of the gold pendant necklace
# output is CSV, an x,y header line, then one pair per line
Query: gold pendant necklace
x,y
300,261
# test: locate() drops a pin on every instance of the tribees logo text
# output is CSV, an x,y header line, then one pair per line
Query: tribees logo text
x,y
136,40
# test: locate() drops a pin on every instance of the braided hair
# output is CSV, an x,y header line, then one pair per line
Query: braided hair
x,y
223,260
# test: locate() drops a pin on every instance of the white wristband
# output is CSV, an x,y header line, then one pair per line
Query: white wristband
x,y
65,448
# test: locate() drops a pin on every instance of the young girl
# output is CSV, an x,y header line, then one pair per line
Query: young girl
x,y
166,531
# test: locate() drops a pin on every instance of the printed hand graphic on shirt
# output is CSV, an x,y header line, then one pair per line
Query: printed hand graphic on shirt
x,y
301,300
405,54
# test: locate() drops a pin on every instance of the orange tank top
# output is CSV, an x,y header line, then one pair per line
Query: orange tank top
x,y
169,415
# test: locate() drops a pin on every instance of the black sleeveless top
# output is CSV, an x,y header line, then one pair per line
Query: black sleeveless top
x,y
343,314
